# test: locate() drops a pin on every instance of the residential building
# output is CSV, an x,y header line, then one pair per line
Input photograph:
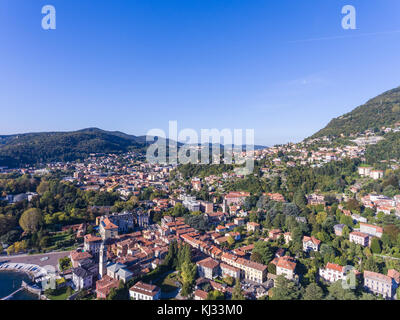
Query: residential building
x,y
286,266
107,229
79,257
208,268
92,244
81,278
144,291
332,272
230,271
359,238
119,271
253,226
381,284
371,229
104,286
310,244
338,229
200,295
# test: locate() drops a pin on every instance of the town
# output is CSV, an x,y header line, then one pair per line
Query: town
x,y
156,231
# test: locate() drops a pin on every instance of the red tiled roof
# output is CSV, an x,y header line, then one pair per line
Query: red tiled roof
x,y
208,263
144,288
286,263
394,274
77,256
108,224
334,266
201,294
377,276
312,239
359,234
91,238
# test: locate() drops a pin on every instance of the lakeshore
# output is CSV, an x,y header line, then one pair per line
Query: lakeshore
x,y
10,281
23,269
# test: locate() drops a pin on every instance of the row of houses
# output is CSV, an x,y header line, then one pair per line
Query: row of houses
x,y
376,283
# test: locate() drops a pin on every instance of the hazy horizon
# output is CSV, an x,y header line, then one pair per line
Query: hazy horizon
x,y
283,69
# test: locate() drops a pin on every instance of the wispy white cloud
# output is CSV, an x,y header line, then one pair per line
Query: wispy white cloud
x,y
346,37
312,79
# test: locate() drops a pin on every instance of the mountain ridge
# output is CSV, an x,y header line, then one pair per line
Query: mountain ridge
x,y
34,148
382,110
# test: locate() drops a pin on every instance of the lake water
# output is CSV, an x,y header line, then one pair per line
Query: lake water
x,y
11,281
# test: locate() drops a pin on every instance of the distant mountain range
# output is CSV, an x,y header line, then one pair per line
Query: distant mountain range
x,y
34,148
383,110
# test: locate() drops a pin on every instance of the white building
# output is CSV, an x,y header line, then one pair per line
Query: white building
x,y
82,278
359,238
371,229
144,291
332,272
310,244
286,266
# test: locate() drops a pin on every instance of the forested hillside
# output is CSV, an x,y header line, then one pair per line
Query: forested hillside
x,y
33,148
384,150
383,110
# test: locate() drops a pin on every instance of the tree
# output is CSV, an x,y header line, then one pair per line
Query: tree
x,y
321,217
237,291
346,232
313,292
231,240
44,242
69,291
43,187
262,252
10,250
337,292
285,289
371,265
299,199
353,205
120,293
188,275
368,296
30,220
179,210
272,268
171,260
215,295
7,223
256,257
64,263
229,280
376,246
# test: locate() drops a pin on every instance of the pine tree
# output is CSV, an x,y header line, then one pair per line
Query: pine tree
x,y
237,291
313,292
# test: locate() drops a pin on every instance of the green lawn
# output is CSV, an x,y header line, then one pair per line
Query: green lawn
x,y
61,240
167,284
58,294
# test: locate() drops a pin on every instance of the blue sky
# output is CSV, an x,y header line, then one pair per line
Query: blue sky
x,y
135,65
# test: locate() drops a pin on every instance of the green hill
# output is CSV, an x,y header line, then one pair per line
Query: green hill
x,y
383,110
387,149
34,148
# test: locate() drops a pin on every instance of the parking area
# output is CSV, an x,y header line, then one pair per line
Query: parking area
x,y
37,259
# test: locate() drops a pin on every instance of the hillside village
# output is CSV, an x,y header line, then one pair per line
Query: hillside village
x,y
157,232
